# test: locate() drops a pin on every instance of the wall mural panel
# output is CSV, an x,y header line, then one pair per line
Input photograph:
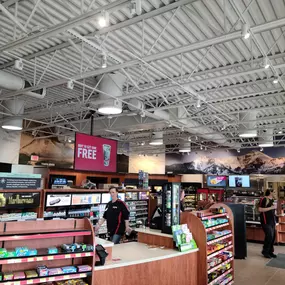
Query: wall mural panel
x,y
221,162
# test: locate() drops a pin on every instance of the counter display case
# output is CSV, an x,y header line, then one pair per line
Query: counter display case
x,y
170,206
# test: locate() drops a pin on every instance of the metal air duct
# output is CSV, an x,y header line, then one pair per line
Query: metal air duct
x,y
16,83
266,139
14,123
111,84
247,130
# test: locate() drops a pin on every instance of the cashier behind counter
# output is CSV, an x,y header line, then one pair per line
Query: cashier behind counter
x,y
117,216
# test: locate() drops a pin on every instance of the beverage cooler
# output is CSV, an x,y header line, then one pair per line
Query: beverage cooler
x,y
170,206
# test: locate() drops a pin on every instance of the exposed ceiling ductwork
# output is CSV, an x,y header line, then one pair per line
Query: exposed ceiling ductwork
x,y
16,83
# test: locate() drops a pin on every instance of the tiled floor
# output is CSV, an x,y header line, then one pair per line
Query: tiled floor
x,y
253,270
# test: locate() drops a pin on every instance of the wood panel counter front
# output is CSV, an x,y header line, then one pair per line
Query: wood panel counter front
x,y
138,264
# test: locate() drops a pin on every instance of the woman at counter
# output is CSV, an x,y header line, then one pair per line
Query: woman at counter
x,y
117,216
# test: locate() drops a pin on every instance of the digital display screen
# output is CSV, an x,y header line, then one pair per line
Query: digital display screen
x,y
143,196
95,154
106,197
239,181
60,181
217,181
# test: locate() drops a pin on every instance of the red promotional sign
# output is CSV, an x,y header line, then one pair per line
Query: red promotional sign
x,y
95,154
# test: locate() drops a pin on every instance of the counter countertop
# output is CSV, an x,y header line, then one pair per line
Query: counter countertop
x,y
103,242
136,253
152,232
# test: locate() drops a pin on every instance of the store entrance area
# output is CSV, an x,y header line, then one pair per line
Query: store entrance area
x,y
253,270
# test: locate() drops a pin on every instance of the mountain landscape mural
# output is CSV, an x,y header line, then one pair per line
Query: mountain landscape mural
x,y
221,162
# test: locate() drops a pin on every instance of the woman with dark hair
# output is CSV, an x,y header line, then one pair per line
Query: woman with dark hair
x,y
117,216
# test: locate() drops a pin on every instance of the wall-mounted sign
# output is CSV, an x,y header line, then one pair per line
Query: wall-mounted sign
x,y
19,200
20,181
86,199
95,154
58,200
35,158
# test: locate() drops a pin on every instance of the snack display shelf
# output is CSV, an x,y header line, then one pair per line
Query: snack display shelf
x,y
38,280
219,239
220,277
45,257
230,283
219,265
216,227
219,251
214,216
18,235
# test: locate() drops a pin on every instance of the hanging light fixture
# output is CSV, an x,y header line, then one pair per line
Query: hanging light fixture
x,y
103,20
266,63
245,31
157,139
104,61
14,123
185,147
275,80
198,104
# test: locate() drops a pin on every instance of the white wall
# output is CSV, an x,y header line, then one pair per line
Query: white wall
x,y
151,164
193,178
9,146
18,168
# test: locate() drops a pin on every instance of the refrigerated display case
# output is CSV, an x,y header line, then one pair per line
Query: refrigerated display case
x,y
170,206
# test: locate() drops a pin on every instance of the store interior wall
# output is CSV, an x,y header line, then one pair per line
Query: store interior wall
x,y
154,164
10,146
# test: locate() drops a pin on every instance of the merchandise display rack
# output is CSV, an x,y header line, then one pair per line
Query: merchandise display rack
x,y
21,212
200,233
43,234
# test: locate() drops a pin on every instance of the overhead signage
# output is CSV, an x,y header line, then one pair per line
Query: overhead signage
x,y
86,199
95,154
58,200
20,181
19,200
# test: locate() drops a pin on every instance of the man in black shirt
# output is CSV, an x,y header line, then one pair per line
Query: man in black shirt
x,y
268,222
117,216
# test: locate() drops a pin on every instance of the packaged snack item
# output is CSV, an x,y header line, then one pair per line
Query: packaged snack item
x,y
69,269
52,250
31,274
32,252
11,254
42,270
83,268
19,275
8,276
22,251
55,271
3,252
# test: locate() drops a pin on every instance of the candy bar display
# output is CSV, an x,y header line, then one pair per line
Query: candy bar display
x,y
214,275
217,246
214,222
217,234
71,282
219,259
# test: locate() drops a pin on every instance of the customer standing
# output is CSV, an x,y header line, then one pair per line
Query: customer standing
x,y
268,222
117,216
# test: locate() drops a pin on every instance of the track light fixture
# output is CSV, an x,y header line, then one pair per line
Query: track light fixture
x,y
104,61
18,64
70,84
103,19
266,63
280,131
275,80
261,149
201,147
189,139
238,150
136,7
245,31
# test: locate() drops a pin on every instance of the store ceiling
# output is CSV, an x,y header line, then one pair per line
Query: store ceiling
x,y
175,56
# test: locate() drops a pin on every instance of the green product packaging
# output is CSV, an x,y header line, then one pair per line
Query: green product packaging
x,y
11,254
3,252
183,238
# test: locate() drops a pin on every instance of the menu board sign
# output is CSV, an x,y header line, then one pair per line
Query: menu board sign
x,y
20,181
58,200
86,199
19,200
95,154
131,196
143,196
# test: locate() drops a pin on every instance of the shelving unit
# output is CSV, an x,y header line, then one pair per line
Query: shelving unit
x,y
41,235
205,256
21,205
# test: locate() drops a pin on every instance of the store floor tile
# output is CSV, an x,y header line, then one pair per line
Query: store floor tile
x,y
253,270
